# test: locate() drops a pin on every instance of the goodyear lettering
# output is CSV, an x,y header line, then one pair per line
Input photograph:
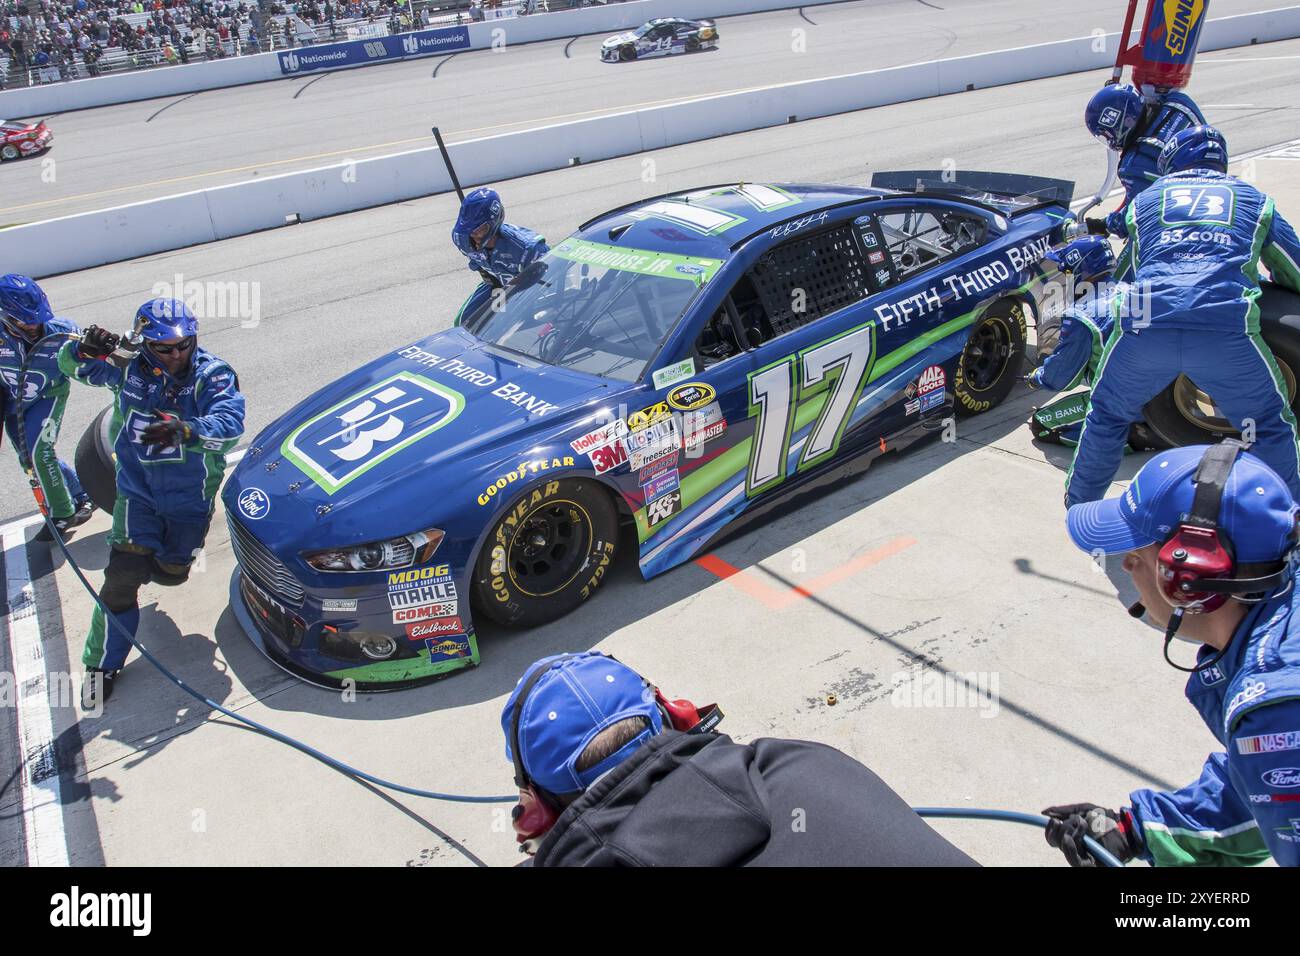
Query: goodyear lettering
x,y
505,532
523,471
605,549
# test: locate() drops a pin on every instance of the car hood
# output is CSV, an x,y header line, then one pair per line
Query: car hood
x,y
405,439
628,37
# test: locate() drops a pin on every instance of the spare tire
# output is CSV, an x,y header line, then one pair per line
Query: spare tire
x,y
94,462
1184,415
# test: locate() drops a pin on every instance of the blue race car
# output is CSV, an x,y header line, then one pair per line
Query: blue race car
x,y
678,364
662,37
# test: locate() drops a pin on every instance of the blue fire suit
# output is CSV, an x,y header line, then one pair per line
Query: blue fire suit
x,y
165,495
1246,803
1195,241
1085,327
45,397
1171,114
515,249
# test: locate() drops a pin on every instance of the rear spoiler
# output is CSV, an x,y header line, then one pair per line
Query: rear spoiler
x,y
1010,193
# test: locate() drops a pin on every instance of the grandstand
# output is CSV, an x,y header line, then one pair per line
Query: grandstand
x,y
51,42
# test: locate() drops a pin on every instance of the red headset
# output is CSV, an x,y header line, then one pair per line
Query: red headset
x,y
538,809
1197,562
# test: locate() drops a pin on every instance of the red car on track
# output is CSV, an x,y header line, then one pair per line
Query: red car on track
x,y
23,139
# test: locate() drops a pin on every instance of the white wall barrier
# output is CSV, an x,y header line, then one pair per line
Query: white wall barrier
x,y
259,67
126,232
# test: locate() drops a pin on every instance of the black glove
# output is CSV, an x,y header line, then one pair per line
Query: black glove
x,y
1096,227
170,431
1113,829
97,342
490,279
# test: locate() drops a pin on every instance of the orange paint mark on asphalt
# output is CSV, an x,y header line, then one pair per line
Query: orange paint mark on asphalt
x,y
778,598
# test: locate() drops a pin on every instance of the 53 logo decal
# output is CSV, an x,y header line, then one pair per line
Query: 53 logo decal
x,y
841,367
364,429
1212,205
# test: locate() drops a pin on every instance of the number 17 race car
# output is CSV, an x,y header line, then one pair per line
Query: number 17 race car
x,y
679,364
661,38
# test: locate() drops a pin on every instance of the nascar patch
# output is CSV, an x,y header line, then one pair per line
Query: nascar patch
x,y
1269,743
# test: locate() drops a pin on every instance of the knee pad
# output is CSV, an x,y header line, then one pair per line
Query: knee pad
x,y
170,575
125,573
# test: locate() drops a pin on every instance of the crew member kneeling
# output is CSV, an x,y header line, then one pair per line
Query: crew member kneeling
x,y
177,411
1208,535
611,773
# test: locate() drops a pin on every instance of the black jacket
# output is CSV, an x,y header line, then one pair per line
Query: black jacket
x,y
704,800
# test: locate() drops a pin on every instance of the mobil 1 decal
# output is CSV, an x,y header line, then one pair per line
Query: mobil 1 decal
x,y
835,371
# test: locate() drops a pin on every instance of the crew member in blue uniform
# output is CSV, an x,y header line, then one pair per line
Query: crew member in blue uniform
x,y
1217,510
1196,238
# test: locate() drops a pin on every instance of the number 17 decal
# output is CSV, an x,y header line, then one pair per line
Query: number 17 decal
x,y
840,366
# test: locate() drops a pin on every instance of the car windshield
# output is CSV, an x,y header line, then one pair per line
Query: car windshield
x,y
599,309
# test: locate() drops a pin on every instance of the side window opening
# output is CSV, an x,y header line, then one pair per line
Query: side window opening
x,y
920,238
804,279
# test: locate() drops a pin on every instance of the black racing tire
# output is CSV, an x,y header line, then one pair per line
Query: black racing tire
x,y
692,45
627,52
989,365
1184,415
523,581
94,462
9,152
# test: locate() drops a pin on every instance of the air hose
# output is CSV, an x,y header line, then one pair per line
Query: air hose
x,y
25,459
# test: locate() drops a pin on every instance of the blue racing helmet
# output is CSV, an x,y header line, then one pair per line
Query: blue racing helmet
x,y
162,319
1198,147
482,206
1088,257
1113,114
22,300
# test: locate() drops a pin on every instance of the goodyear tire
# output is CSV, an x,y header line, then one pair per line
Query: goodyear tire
x,y
1184,415
626,53
547,553
990,363
94,462
8,152
692,45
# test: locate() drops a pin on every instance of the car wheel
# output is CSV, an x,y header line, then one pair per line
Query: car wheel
x,y
692,45
547,553
94,462
626,53
1185,415
991,360
9,151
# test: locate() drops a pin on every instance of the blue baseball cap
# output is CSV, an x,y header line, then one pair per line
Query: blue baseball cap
x,y
1258,514
576,697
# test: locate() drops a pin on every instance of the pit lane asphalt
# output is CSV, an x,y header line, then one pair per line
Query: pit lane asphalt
x,y
981,578
121,154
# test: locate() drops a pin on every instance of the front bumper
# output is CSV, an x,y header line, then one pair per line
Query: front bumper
x,y
609,54
289,623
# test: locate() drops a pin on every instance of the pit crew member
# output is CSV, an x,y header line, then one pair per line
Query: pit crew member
x,y
1137,127
1196,237
496,250
177,411
611,773
1246,682
26,320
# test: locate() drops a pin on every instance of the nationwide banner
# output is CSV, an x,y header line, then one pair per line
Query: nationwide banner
x,y
338,56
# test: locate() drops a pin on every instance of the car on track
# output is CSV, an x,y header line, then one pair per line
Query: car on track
x,y
19,138
662,37
678,365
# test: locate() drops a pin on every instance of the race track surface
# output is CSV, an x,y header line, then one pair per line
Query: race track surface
x,y
122,154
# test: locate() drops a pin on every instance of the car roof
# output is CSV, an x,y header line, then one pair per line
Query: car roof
x,y
710,221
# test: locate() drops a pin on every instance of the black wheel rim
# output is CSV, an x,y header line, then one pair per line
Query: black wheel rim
x,y
549,548
986,355
1198,407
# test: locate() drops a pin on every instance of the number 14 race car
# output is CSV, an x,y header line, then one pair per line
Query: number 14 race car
x,y
679,364
661,38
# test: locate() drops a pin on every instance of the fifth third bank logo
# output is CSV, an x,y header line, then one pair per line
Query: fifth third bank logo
x,y
75,908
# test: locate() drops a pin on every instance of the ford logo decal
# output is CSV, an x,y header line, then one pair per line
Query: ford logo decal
x,y
254,504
